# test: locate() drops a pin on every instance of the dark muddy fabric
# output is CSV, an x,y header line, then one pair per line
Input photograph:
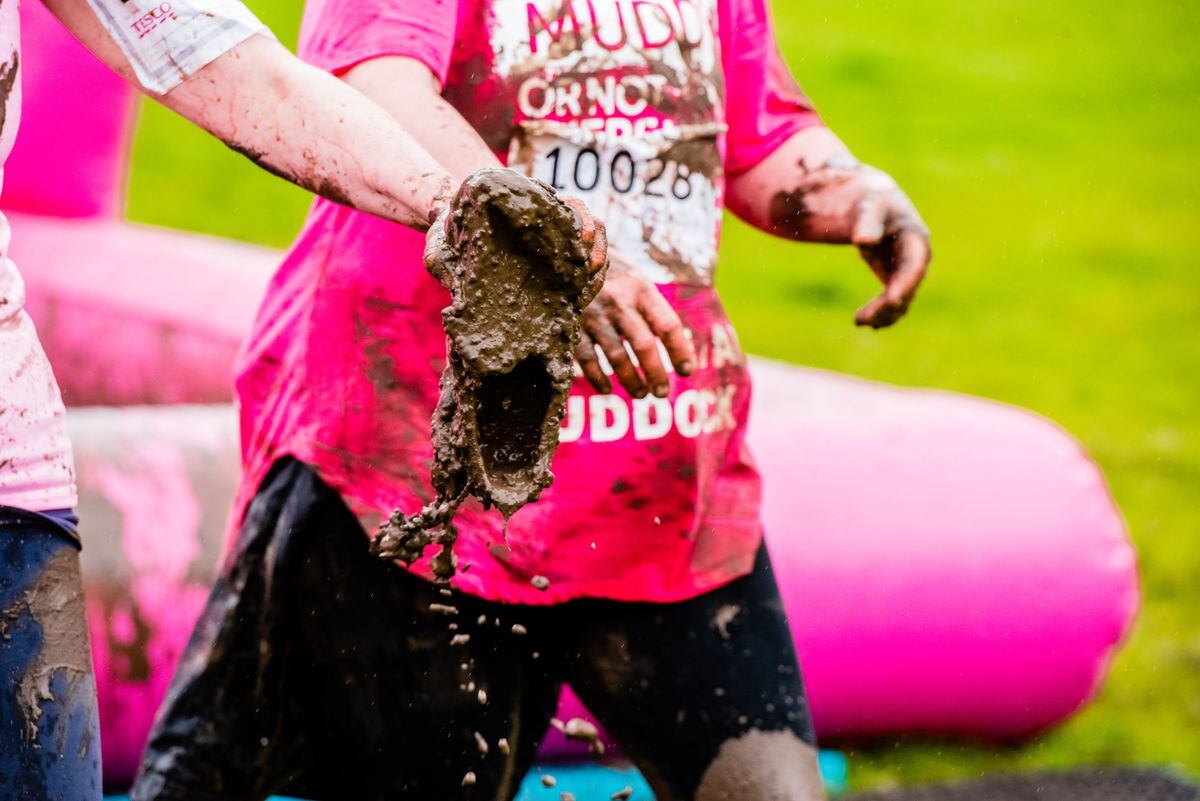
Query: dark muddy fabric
x,y
49,724
321,672
1105,784
65,519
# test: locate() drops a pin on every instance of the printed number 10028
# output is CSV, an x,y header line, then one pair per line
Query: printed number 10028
x,y
588,170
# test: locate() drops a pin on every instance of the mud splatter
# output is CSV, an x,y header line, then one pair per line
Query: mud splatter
x,y
8,79
55,601
723,617
548,780
581,731
622,795
513,257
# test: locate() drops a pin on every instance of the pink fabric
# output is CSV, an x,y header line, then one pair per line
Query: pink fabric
x,y
36,472
71,157
654,499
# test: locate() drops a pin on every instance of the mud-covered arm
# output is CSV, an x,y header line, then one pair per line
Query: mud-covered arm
x,y
791,176
811,189
628,309
293,120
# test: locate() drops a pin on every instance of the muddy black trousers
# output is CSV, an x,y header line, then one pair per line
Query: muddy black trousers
x,y
49,723
320,672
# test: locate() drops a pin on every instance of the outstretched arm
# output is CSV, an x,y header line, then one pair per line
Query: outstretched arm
x,y
295,121
811,189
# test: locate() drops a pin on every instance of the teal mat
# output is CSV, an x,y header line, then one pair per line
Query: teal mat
x,y
598,782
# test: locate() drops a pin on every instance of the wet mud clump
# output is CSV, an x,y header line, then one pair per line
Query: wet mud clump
x,y
514,259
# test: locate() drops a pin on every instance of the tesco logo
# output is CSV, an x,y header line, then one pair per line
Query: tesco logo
x,y
153,18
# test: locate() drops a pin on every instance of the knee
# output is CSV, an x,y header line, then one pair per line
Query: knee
x,y
763,765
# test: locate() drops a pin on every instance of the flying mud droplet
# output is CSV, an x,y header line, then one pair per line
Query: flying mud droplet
x,y
443,609
481,744
723,617
565,796
540,583
481,697
623,795
517,628
460,639
468,778
548,780
581,731
502,746
482,619
513,257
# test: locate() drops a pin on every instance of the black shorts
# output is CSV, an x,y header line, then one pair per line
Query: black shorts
x,y
319,671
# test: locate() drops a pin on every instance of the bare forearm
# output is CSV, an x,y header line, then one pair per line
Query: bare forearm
x,y
770,195
295,121
409,92
812,190
313,130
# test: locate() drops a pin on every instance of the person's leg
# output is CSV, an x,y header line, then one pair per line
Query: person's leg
x,y
705,695
414,689
210,737
49,725
321,672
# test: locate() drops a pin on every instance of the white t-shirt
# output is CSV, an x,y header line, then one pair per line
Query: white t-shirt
x,y
166,43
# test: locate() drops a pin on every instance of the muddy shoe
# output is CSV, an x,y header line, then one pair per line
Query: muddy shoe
x,y
515,260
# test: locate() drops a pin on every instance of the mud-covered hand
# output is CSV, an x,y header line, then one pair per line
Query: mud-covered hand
x,y
629,309
846,202
593,236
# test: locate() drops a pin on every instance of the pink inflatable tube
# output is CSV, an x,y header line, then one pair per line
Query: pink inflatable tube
x,y
949,564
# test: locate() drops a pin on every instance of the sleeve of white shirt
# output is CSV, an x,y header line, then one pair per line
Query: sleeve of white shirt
x,y
167,41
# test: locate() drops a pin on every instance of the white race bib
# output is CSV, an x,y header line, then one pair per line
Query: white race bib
x,y
655,191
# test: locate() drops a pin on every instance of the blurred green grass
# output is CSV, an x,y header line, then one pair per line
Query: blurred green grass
x,y
1053,149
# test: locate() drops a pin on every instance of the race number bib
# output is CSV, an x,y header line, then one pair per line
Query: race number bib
x,y
656,192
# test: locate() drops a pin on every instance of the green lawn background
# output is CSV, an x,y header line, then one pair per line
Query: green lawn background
x,y
1053,149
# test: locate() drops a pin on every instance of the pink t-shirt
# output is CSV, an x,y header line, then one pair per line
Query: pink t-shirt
x,y
640,107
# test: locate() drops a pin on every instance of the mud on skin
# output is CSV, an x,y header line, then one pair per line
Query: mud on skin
x,y
513,257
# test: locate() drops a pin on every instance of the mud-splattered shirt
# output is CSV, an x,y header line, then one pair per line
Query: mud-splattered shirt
x,y
640,107
36,465
36,470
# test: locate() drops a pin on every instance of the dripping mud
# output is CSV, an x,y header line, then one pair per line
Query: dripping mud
x,y
514,259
